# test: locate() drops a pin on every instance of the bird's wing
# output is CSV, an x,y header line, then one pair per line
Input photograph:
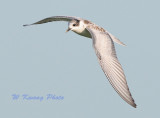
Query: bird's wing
x,y
106,54
54,18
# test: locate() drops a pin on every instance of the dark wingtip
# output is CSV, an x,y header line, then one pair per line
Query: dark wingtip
x,y
26,25
134,105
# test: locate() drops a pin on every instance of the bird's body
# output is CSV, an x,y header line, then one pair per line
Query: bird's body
x,y
105,51
84,33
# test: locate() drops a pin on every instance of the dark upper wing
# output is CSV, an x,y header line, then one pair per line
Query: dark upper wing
x,y
54,18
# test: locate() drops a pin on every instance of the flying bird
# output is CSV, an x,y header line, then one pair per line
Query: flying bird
x,y
103,43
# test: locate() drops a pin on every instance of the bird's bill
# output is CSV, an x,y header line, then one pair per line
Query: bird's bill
x,y
68,30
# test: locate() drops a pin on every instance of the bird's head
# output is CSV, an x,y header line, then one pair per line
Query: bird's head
x,y
76,26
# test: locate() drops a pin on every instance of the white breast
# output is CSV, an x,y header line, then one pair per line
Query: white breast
x,y
84,33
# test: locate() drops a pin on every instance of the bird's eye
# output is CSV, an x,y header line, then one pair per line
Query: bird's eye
x,y
74,24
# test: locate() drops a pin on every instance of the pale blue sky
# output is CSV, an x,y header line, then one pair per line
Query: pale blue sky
x,y
43,59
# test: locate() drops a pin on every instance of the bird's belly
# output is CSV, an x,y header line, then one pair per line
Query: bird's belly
x,y
84,33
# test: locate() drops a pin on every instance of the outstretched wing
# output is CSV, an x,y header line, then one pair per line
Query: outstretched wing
x,y
106,54
54,18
